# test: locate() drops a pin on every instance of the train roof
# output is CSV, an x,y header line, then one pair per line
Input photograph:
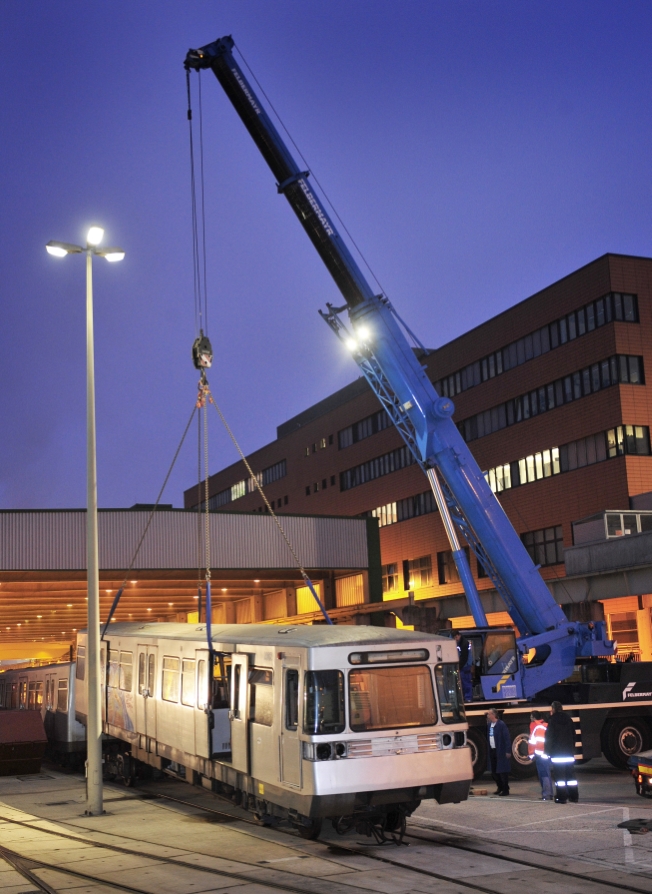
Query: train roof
x,y
298,635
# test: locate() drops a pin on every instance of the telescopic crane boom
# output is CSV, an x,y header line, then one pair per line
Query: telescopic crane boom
x,y
423,419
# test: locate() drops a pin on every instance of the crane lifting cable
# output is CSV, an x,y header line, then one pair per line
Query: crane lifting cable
x,y
202,355
208,398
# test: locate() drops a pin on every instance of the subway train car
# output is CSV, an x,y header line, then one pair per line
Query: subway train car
x,y
355,724
49,689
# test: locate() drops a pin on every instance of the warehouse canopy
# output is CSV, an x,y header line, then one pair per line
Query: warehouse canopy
x,y
254,577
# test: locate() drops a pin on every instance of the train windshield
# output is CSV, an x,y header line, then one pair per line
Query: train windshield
x,y
451,703
391,697
323,703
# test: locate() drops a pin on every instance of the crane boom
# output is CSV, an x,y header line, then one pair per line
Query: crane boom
x,y
421,416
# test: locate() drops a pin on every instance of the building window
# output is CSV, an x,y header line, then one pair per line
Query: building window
x,y
633,440
366,427
386,514
620,369
324,483
446,568
417,573
315,487
402,510
612,307
332,480
390,578
546,546
307,490
624,629
376,468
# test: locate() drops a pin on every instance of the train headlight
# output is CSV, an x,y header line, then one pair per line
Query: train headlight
x,y
446,740
324,751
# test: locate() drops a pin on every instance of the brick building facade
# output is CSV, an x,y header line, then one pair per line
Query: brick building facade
x,y
551,396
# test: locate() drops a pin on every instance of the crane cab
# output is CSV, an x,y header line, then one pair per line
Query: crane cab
x,y
494,660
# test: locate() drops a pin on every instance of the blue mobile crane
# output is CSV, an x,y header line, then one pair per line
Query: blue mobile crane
x,y
548,645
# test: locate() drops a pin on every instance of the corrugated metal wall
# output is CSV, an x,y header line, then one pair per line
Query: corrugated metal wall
x,y
349,590
275,605
306,601
51,540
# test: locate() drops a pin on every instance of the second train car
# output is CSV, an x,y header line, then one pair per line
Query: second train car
x,y
354,724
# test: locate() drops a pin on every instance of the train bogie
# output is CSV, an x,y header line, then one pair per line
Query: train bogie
x,y
297,722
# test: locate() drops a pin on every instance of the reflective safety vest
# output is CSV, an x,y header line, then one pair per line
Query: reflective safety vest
x,y
537,738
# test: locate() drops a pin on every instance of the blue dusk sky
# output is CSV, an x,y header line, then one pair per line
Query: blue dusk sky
x,y
477,151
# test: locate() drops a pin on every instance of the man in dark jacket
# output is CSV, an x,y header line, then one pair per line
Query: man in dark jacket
x,y
560,748
499,753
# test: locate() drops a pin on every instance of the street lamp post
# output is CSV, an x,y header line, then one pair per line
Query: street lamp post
x,y
94,795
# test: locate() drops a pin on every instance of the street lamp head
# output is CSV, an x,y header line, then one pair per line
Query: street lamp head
x,y
113,254
61,249
95,235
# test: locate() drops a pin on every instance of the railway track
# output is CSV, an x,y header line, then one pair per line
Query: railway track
x,y
514,857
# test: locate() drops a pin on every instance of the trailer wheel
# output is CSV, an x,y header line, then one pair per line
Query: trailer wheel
x,y
477,742
621,739
522,766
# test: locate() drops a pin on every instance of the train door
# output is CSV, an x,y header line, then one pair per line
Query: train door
x,y
22,693
146,697
238,713
49,705
212,722
203,703
290,744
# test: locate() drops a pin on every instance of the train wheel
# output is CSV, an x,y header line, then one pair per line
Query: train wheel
x,y
522,766
477,741
621,739
311,829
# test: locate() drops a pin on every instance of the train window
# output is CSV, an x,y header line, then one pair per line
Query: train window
x,y
22,694
291,699
391,697
221,678
126,671
188,682
14,695
35,695
323,703
48,700
151,674
2,694
262,696
171,674
142,682
114,668
451,703
81,662
62,696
